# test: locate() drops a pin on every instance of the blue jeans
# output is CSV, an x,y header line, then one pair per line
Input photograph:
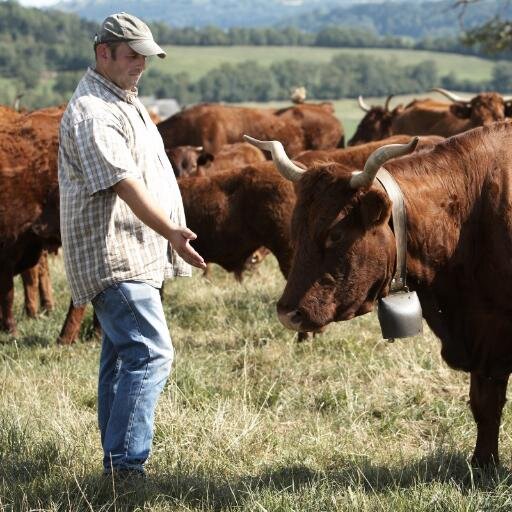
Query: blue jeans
x,y
135,361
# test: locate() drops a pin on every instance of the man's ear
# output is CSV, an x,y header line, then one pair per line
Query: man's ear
x,y
460,109
375,208
102,51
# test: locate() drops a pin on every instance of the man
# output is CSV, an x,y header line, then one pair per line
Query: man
x,y
123,231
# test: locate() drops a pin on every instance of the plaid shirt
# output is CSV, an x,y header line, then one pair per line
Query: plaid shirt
x,y
106,135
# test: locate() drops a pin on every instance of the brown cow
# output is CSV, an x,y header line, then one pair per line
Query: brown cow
x,y
194,160
321,128
28,198
8,116
376,123
236,212
184,159
230,156
356,156
459,247
212,126
36,280
430,117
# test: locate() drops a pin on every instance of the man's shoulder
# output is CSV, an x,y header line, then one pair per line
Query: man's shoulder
x,y
90,101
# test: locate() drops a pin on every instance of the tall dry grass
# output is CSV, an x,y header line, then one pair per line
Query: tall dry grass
x,y
250,419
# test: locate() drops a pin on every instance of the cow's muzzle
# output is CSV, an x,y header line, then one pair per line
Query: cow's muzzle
x,y
291,319
298,320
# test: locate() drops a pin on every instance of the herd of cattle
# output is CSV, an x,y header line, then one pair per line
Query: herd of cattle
x,y
327,224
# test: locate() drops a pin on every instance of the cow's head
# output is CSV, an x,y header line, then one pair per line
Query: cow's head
x,y
376,124
184,159
482,110
344,248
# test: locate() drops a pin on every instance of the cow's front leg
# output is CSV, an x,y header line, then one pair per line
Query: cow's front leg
x,y
45,283
30,278
487,397
6,301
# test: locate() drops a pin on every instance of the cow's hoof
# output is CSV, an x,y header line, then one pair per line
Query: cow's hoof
x,y
31,313
65,340
10,329
47,308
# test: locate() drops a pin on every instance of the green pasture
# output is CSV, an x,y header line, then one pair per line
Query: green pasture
x,y
198,60
250,420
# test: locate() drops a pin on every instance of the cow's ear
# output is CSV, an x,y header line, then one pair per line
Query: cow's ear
x,y
375,208
508,108
205,158
461,109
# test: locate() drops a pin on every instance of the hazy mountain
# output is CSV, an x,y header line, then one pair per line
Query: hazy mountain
x,y
199,13
415,19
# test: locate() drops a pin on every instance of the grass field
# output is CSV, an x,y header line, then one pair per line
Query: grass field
x,y
250,419
198,60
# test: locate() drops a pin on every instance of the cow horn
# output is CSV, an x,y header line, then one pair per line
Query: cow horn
x,y
448,94
284,165
386,105
378,158
362,104
507,98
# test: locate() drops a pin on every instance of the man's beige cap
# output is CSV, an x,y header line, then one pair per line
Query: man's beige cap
x,y
123,27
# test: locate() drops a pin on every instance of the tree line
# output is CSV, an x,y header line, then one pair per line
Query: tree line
x,y
345,76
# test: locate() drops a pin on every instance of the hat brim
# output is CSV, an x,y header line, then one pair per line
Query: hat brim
x,y
146,47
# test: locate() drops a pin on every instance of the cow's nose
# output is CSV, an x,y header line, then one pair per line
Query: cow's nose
x,y
290,319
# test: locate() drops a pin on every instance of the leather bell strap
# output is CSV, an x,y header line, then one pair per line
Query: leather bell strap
x,y
399,227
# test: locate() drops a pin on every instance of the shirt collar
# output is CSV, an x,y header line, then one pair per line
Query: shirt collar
x,y
128,96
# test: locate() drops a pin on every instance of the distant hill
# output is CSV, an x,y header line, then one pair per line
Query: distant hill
x,y
416,20
221,13
199,13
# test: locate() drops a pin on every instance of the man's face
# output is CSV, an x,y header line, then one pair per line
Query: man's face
x,y
126,68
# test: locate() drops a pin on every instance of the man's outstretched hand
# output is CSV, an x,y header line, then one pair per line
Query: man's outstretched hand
x,y
135,194
180,242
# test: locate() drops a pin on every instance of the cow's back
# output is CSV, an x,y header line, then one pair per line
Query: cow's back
x,y
356,156
321,129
